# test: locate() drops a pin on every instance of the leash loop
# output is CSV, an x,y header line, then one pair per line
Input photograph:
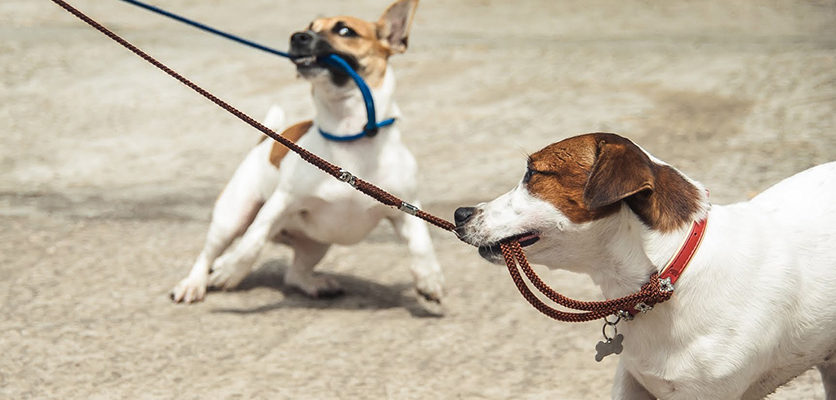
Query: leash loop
x,y
649,294
372,126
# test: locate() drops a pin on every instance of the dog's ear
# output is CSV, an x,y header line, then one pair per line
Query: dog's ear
x,y
393,26
621,170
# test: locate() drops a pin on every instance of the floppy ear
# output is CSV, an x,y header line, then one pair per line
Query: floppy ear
x,y
393,26
621,170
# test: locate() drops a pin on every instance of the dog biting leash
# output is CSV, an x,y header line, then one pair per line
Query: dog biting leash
x,y
331,169
658,289
371,126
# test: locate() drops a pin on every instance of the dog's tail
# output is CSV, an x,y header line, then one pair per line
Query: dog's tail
x,y
275,118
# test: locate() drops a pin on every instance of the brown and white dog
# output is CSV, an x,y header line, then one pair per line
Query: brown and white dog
x,y
755,308
275,196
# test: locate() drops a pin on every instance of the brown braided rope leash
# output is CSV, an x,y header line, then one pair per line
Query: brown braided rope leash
x,y
650,293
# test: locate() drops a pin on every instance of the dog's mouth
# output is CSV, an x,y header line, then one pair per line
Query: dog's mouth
x,y
493,252
310,65
305,61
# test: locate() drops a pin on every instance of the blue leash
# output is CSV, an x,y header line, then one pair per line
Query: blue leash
x,y
372,125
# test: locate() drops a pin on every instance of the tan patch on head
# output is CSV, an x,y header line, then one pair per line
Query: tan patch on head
x,y
371,53
371,43
293,133
586,177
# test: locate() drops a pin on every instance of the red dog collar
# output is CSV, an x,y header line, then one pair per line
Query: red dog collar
x,y
677,264
674,268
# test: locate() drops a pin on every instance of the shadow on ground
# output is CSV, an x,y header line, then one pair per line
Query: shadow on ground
x,y
360,294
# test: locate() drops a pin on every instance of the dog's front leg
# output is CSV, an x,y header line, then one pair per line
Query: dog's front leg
x,y
231,268
233,212
626,387
429,281
307,253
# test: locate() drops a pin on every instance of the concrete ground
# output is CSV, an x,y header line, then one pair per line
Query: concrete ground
x,y
109,169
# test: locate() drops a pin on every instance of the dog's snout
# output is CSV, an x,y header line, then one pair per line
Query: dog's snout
x,y
301,39
463,214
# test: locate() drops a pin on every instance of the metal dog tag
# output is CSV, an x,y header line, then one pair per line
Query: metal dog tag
x,y
610,346
612,341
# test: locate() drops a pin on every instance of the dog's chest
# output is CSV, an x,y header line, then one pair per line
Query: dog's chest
x,y
332,211
335,213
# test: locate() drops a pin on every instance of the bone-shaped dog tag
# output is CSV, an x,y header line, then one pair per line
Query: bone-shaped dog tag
x,y
611,346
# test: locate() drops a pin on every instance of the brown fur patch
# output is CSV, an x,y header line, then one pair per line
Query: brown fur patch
x,y
293,133
621,170
560,172
374,41
586,177
371,53
671,204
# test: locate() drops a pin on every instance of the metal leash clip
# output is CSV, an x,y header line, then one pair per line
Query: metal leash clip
x,y
348,178
408,208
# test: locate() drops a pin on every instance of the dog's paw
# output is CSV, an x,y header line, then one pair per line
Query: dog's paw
x,y
225,274
315,286
189,290
431,287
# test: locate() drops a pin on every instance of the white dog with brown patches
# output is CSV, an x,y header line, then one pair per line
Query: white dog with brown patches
x,y
756,306
275,196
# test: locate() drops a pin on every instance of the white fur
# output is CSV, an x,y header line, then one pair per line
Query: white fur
x,y
755,308
299,205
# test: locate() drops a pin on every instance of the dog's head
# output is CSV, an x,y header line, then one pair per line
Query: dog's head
x,y
366,46
562,207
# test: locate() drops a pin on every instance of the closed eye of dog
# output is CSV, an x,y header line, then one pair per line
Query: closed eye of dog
x,y
529,172
527,177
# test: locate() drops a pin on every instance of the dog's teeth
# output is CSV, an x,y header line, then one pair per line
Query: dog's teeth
x,y
304,60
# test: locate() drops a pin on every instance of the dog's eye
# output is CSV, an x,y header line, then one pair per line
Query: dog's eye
x,y
345,31
527,176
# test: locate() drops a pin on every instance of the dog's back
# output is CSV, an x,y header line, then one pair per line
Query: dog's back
x,y
801,213
803,210
807,198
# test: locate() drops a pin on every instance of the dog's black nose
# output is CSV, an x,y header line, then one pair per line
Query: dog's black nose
x,y
463,214
301,39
